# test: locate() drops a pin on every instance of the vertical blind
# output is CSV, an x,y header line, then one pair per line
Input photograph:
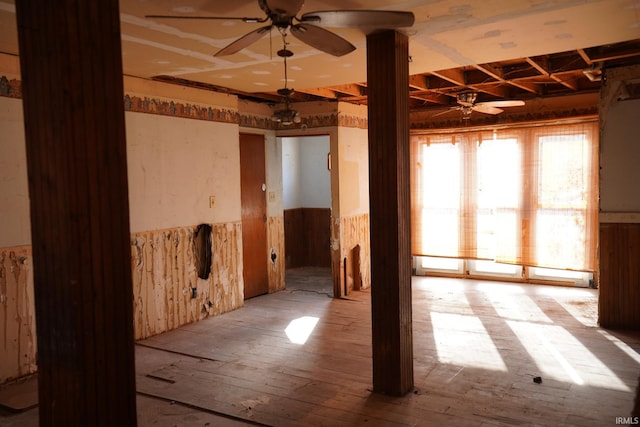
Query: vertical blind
x,y
526,196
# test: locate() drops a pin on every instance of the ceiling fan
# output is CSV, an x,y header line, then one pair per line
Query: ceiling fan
x,y
467,103
283,15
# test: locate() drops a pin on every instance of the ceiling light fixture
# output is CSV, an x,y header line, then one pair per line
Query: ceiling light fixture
x,y
285,116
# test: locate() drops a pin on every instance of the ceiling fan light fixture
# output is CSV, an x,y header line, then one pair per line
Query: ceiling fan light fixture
x,y
286,116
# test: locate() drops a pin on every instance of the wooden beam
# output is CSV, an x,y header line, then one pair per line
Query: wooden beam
x,y
436,98
499,76
491,71
499,90
71,65
323,92
568,79
540,63
526,86
585,56
455,76
390,213
419,81
350,89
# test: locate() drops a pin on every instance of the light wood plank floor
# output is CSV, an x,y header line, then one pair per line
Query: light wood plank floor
x,y
477,348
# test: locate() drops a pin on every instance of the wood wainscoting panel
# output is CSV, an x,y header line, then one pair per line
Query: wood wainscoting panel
x,y
619,281
317,222
275,239
295,254
18,344
167,290
355,231
307,233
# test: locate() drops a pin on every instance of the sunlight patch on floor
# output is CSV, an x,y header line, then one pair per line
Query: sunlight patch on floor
x,y
543,342
463,340
300,329
622,346
510,302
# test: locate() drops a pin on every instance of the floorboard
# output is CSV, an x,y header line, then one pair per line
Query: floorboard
x,y
477,347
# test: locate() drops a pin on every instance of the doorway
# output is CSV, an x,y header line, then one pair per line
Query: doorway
x,y
306,182
254,215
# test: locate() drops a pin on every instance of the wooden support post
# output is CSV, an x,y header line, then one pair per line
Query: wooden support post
x,y
390,213
71,66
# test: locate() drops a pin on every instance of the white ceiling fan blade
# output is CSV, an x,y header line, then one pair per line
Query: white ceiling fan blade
x,y
382,19
504,103
486,109
244,41
322,39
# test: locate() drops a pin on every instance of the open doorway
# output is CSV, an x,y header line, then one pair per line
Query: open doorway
x,y
306,181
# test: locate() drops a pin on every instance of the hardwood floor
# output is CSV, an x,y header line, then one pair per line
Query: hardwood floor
x,y
477,348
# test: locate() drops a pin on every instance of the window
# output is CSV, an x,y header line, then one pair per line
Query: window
x,y
441,207
440,265
561,206
523,196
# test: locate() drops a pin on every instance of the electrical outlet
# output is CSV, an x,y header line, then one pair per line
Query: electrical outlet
x,y
212,201
272,196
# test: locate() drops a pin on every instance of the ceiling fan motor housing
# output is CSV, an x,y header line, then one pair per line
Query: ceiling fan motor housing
x,y
467,99
281,12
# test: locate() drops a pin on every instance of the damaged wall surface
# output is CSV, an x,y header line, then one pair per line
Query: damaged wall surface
x,y
183,148
167,290
17,314
354,230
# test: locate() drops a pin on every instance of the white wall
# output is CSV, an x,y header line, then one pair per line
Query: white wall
x,y
315,177
353,154
273,148
175,165
305,176
620,158
15,225
291,173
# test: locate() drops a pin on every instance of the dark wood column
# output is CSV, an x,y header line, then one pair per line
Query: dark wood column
x,y
71,66
390,216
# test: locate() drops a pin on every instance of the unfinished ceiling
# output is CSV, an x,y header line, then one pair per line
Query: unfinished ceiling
x,y
502,49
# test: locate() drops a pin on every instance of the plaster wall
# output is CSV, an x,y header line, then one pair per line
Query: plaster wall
x,y
15,227
620,158
291,173
353,164
306,178
175,166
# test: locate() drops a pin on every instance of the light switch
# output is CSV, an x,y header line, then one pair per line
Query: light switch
x,y
272,196
212,201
